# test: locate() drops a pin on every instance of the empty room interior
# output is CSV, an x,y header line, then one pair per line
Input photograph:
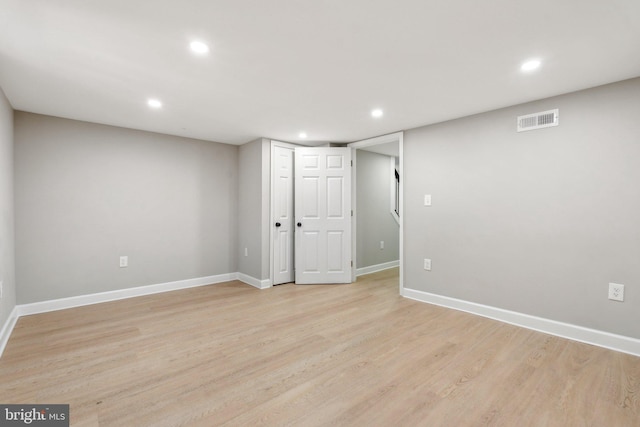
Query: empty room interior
x,y
310,213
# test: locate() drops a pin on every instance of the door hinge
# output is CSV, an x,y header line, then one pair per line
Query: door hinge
x,y
351,163
351,263
352,213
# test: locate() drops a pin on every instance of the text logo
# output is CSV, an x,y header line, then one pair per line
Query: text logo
x,y
34,415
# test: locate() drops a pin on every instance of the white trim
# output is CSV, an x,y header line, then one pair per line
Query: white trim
x,y
565,330
82,300
395,216
256,283
402,211
378,267
7,328
354,213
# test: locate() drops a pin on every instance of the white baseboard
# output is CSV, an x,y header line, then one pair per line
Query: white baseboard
x,y
7,328
97,298
81,300
378,267
565,330
260,284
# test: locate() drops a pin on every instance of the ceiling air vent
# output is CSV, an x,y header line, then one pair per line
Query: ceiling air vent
x,y
544,119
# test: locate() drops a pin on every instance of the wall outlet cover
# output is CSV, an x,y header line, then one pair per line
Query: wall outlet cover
x,y
616,292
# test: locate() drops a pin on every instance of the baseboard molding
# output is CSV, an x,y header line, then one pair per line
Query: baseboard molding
x,y
565,330
7,328
81,300
378,267
97,298
257,283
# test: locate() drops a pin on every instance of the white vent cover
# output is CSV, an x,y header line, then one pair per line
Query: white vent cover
x,y
544,119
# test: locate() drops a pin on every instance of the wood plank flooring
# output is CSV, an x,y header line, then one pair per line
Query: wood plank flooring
x,y
352,355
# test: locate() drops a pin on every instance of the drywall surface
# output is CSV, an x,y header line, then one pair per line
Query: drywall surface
x,y
537,222
253,209
87,194
7,249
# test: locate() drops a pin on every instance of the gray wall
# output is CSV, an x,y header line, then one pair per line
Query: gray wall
x,y
253,208
88,193
374,221
7,252
537,222
266,208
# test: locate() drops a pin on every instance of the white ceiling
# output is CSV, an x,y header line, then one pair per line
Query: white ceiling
x,y
279,67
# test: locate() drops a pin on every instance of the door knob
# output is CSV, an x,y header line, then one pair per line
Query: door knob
x,y
299,224
278,224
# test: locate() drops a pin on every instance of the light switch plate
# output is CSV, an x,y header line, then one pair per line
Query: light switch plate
x,y
427,199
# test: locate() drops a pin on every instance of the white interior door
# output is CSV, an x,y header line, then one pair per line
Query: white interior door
x,y
282,178
322,215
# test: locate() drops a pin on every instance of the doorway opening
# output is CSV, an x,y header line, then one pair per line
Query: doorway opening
x,y
377,194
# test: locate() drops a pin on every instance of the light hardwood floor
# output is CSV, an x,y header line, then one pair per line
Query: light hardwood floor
x,y
357,355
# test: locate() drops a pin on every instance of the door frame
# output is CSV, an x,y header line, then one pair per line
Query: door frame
x,y
384,139
291,146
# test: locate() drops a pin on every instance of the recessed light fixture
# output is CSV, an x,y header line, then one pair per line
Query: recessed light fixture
x,y
302,135
154,103
530,65
376,113
199,47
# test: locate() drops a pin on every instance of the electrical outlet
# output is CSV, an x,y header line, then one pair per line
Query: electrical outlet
x,y
381,244
616,292
124,261
427,264
427,199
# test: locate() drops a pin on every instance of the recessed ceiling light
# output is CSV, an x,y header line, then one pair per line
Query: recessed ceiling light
x,y
376,113
302,135
530,65
154,103
199,47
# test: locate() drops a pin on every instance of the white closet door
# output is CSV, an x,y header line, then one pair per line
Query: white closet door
x,y
323,215
282,176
